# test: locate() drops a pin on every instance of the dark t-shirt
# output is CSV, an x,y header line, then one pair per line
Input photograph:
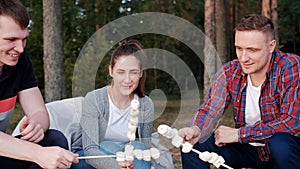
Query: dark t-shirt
x,y
12,80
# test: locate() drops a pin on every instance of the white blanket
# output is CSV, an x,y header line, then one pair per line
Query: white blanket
x,y
62,114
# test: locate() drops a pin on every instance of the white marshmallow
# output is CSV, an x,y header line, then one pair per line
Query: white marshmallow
x,y
131,136
177,140
187,147
120,156
128,148
205,156
219,162
138,154
135,104
134,113
134,121
213,158
155,154
166,131
131,128
129,157
146,155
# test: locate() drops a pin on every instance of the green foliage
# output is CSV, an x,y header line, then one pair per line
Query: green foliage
x,y
82,18
35,40
89,18
289,25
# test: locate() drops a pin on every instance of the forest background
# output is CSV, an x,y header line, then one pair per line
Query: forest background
x,y
59,32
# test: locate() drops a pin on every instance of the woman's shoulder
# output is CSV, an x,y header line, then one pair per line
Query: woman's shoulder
x,y
98,92
146,101
97,96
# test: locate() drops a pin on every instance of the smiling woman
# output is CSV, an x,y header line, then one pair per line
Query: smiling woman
x,y
106,113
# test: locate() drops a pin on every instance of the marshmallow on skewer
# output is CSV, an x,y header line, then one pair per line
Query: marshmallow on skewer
x,y
167,131
131,128
129,152
131,136
138,153
205,156
186,147
216,160
170,133
155,154
134,113
134,121
214,157
129,148
146,155
129,156
120,156
177,140
135,104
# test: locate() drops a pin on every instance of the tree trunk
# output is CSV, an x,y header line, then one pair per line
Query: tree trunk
x,y
210,41
221,32
269,9
266,8
274,17
53,51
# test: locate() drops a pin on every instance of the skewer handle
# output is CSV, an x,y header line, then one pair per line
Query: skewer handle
x,y
226,166
91,157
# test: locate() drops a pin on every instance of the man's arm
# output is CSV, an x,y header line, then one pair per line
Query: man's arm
x,y
37,121
46,157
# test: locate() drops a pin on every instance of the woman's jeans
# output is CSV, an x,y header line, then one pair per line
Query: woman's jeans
x,y
111,148
285,154
51,138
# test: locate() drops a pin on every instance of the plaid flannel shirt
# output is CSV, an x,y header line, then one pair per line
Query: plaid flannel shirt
x,y
279,101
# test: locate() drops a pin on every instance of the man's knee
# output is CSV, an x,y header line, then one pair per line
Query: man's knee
x,y
192,160
283,145
54,138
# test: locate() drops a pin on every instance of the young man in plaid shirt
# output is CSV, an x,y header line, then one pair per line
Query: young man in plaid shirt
x,y
263,85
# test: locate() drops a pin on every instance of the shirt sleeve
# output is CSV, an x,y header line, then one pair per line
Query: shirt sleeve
x,y
90,121
212,109
27,79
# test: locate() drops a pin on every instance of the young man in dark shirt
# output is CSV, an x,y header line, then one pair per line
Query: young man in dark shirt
x,y
36,147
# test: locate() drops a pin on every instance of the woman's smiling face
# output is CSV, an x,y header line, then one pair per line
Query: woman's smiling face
x,y
126,74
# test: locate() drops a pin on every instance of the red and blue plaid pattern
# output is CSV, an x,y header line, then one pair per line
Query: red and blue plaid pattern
x,y
279,101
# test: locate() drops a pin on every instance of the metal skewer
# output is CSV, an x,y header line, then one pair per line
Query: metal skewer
x,y
100,156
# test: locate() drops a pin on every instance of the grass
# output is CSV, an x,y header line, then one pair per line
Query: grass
x,y
170,113
16,117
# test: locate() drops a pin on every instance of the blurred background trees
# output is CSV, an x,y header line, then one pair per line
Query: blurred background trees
x,y
82,18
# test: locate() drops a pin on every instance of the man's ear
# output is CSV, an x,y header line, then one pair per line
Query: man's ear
x,y
272,45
